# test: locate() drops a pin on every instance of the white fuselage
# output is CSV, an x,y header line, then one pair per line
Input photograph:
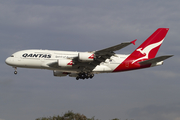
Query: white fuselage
x,y
83,65
41,59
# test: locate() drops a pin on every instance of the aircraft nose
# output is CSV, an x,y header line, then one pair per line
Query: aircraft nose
x,y
8,61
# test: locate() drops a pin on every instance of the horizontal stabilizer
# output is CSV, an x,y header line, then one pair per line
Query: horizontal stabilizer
x,y
155,60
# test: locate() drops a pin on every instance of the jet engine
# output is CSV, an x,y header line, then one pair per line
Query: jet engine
x,y
65,63
86,57
59,73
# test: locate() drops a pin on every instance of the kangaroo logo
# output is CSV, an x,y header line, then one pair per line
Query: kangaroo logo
x,y
146,50
141,51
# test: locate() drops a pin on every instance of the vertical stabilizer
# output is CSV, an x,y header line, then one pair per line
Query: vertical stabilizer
x,y
149,48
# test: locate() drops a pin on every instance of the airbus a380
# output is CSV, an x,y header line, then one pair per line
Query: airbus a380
x,y
84,65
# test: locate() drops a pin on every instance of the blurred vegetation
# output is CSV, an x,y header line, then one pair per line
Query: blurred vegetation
x,y
70,116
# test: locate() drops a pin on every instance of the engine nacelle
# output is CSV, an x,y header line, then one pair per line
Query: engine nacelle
x,y
65,63
86,57
59,73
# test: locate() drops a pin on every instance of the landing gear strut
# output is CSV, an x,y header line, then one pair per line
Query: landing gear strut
x,y
84,75
15,72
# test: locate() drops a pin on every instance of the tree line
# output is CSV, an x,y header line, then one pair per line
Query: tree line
x,y
70,115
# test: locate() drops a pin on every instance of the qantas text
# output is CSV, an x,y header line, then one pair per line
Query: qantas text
x,y
37,55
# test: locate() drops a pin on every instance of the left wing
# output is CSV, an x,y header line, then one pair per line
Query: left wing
x,y
102,55
114,48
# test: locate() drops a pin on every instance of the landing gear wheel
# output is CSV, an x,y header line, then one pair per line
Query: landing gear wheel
x,y
91,76
84,75
15,72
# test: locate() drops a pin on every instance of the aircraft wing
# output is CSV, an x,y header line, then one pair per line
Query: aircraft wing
x,y
114,48
102,55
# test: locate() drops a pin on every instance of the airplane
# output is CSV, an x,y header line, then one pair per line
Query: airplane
x,y
83,65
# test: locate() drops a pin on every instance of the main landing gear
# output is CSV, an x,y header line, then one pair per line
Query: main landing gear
x,y
84,76
15,72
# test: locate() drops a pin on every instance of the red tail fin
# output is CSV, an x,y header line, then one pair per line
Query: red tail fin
x,y
149,48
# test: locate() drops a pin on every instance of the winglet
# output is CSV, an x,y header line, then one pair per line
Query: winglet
x,y
133,42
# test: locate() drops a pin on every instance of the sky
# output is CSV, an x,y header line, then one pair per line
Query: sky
x,y
79,25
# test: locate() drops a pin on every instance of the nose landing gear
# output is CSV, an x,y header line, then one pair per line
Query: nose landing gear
x,y
15,72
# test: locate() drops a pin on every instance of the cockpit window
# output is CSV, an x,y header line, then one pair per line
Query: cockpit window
x,y
12,55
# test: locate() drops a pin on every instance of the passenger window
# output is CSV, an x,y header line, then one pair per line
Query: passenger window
x,y
12,55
